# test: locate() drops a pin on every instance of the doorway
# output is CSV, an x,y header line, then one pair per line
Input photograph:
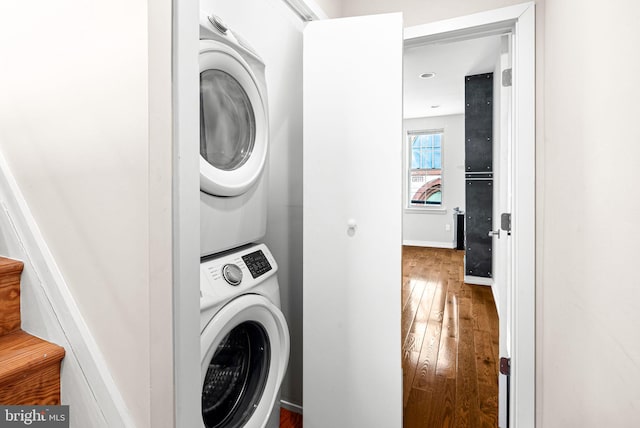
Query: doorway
x,y
352,217
450,341
517,339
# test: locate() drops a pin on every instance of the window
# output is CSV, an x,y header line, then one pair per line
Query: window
x,y
425,168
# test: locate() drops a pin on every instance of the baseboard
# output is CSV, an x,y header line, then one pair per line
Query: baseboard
x,y
430,244
49,310
478,280
291,406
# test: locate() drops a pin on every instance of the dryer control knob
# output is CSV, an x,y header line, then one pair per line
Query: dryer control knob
x,y
232,274
218,24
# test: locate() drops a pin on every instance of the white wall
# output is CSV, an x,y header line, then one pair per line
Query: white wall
x,y
428,226
74,130
333,8
588,201
276,34
587,154
422,11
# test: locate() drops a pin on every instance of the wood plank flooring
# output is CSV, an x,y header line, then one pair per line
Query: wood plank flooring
x,y
289,419
450,344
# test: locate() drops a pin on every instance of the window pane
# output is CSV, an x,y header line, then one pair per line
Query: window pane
x,y
415,159
423,187
425,174
437,159
416,181
435,198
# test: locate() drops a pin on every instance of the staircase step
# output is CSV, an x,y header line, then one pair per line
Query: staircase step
x,y
10,271
29,370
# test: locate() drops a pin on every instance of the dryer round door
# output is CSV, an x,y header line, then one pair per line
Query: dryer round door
x,y
233,122
245,351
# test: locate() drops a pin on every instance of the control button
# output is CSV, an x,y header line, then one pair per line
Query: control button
x,y
218,24
232,274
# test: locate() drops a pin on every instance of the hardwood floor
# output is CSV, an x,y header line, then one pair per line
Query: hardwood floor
x,y
450,344
290,419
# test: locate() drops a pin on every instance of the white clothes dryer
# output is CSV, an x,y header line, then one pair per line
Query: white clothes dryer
x,y
234,140
244,341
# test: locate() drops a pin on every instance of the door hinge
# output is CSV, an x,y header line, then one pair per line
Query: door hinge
x,y
505,222
505,366
505,369
507,77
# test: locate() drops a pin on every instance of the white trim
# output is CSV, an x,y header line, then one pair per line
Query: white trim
x,y
55,296
478,280
469,24
523,225
186,213
429,244
494,292
520,19
291,406
425,210
160,149
307,10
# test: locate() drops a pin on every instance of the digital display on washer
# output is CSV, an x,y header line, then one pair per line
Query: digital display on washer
x,y
257,263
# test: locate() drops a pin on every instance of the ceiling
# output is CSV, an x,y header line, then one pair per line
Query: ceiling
x,y
451,61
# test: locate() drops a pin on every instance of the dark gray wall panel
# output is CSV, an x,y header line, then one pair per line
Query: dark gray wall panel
x,y
479,123
479,168
479,199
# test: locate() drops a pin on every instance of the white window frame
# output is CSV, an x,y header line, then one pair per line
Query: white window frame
x,y
409,152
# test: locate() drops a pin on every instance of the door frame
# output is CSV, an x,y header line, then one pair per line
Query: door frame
x,y
186,213
520,19
185,201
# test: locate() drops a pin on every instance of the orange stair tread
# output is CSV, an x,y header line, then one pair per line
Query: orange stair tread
x,y
21,351
10,265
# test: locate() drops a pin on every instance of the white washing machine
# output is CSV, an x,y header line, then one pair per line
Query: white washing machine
x,y
234,140
244,342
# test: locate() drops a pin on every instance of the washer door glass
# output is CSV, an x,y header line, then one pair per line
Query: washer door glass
x,y
236,377
227,121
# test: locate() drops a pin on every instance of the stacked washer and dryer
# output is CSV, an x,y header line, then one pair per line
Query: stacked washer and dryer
x,y
244,338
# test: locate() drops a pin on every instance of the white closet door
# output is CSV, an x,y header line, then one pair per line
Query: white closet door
x,y
352,222
503,203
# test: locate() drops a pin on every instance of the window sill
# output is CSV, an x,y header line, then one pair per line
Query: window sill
x,y
420,210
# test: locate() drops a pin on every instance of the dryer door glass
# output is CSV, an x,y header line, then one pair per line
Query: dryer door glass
x,y
236,377
227,121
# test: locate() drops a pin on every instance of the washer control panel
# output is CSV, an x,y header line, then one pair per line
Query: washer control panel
x,y
257,263
231,273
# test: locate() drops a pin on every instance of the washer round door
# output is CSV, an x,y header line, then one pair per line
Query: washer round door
x,y
245,351
233,122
